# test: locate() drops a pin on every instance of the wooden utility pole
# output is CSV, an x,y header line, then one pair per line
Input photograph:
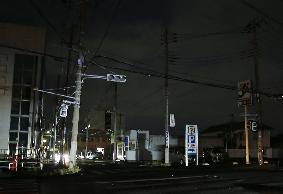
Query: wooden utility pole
x,y
247,136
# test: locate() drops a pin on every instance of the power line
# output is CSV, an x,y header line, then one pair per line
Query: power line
x,y
106,32
176,78
267,16
57,58
40,13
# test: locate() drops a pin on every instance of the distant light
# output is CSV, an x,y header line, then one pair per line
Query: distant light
x,y
88,126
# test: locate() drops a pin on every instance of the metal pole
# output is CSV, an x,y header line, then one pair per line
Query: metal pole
x,y
166,99
247,137
86,142
54,138
76,113
115,123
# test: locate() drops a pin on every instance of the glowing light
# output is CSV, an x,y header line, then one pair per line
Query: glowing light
x,y
57,158
66,158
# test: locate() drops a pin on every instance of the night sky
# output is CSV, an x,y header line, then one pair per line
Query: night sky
x,y
206,40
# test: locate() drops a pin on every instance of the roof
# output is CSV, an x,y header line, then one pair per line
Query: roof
x,y
229,126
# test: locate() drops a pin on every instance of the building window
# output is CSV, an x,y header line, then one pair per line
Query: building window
x,y
27,78
24,123
26,93
13,136
16,92
15,107
12,148
23,139
25,105
24,69
14,124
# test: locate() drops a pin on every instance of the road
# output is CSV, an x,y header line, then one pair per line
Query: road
x,y
110,178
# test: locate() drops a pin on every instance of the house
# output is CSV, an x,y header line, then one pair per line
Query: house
x,y
231,138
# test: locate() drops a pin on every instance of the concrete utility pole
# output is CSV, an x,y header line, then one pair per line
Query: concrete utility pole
x,y
76,112
166,98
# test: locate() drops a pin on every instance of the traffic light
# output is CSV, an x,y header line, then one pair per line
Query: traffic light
x,y
63,110
116,78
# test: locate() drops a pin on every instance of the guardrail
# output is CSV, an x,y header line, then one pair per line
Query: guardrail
x,y
15,164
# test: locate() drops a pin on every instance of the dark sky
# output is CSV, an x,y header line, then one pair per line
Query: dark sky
x,y
211,47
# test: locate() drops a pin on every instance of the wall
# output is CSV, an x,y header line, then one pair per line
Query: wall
x,y
6,76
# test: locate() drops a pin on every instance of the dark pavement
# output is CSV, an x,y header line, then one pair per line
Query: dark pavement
x,y
115,178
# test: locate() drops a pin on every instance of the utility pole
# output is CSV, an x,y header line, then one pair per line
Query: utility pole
x,y
247,135
166,98
70,47
252,28
115,122
258,98
55,136
86,139
76,112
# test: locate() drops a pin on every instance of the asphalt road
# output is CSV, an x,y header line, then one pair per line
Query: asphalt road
x,y
110,178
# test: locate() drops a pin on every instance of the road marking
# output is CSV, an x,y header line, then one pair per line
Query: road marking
x,y
152,179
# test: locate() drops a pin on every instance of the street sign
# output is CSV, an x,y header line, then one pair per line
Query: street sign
x,y
166,139
245,93
191,142
172,120
252,125
127,142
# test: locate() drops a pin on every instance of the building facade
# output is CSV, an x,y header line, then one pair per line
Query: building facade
x,y
20,73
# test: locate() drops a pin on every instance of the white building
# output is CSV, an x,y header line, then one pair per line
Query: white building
x,y
145,147
20,72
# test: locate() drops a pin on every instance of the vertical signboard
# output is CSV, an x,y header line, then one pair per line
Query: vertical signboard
x,y
167,139
172,120
127,143
191,143
245,93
